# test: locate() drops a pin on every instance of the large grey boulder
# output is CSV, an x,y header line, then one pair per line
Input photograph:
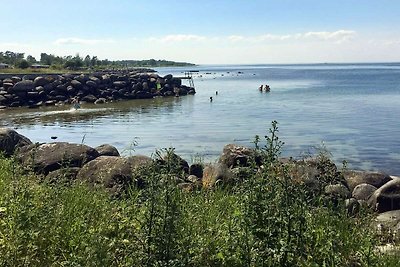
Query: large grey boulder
x,y
10,140
387,197
23,86
354,178
215,173
235,156
112,173
44,158
363,191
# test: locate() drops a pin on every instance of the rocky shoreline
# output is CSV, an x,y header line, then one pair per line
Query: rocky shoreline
x,y
34,91
104,166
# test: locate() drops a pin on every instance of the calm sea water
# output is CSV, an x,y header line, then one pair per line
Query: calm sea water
x,y
351,110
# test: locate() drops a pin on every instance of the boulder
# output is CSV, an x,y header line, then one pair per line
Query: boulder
x,y
100,100
76,84
40,81
89,98
44,158
112,173
175,161
63,175
387,197
388,221
23,86
107,150
10,140
363,191
354,178
214,174
234,156
196,169
337,191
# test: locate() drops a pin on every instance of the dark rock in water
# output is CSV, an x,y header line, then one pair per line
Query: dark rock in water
x,y
23,86
143,95
387,197
45,158
107,150
89,98
354,178
234,156
100,101
50,103
10,141
112,173
363,191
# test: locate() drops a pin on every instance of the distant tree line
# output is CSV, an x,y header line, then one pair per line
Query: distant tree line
x,y
77,62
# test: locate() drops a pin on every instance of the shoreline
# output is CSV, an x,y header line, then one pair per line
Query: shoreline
x,y
34,91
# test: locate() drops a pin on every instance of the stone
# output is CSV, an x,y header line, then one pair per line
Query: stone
x,y
23,86
234,156
44,158
89,98
40,81
363,191
387,197
215,173
337,191
196,169
63,175
354,178
76,84
107,150
100,100
10,141
112,173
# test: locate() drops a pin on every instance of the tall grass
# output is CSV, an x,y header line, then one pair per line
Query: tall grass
x,y
266,219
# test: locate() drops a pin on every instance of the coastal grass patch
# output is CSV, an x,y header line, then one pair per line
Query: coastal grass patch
x,y
266,219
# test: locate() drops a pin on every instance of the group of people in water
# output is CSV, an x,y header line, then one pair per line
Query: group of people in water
x,y
265,88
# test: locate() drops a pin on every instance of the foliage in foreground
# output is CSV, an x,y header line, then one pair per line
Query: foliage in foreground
x,y
267,220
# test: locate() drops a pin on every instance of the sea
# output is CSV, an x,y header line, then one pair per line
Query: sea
x,y
350,111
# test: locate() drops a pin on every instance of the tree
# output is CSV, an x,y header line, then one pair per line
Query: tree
x,y
31,59
23,64
87,61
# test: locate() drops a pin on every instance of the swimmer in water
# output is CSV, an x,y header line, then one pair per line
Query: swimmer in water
x,y
75,103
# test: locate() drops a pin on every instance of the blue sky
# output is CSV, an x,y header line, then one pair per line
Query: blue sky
x,y
206,32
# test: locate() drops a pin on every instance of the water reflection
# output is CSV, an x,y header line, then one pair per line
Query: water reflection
x,y
64,114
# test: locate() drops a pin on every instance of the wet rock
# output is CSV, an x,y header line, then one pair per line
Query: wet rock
x,y
10,141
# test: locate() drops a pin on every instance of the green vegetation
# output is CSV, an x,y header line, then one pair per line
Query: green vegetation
x,y
53,62
266,219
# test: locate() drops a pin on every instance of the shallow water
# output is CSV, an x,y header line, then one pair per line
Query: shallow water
x,y
352,110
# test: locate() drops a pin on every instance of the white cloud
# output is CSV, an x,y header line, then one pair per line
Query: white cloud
x,y
80,41
338,36
173,38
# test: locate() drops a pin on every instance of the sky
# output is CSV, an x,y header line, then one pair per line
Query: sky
x,y
206,31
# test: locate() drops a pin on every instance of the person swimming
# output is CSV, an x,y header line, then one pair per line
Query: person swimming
x,y
75,103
